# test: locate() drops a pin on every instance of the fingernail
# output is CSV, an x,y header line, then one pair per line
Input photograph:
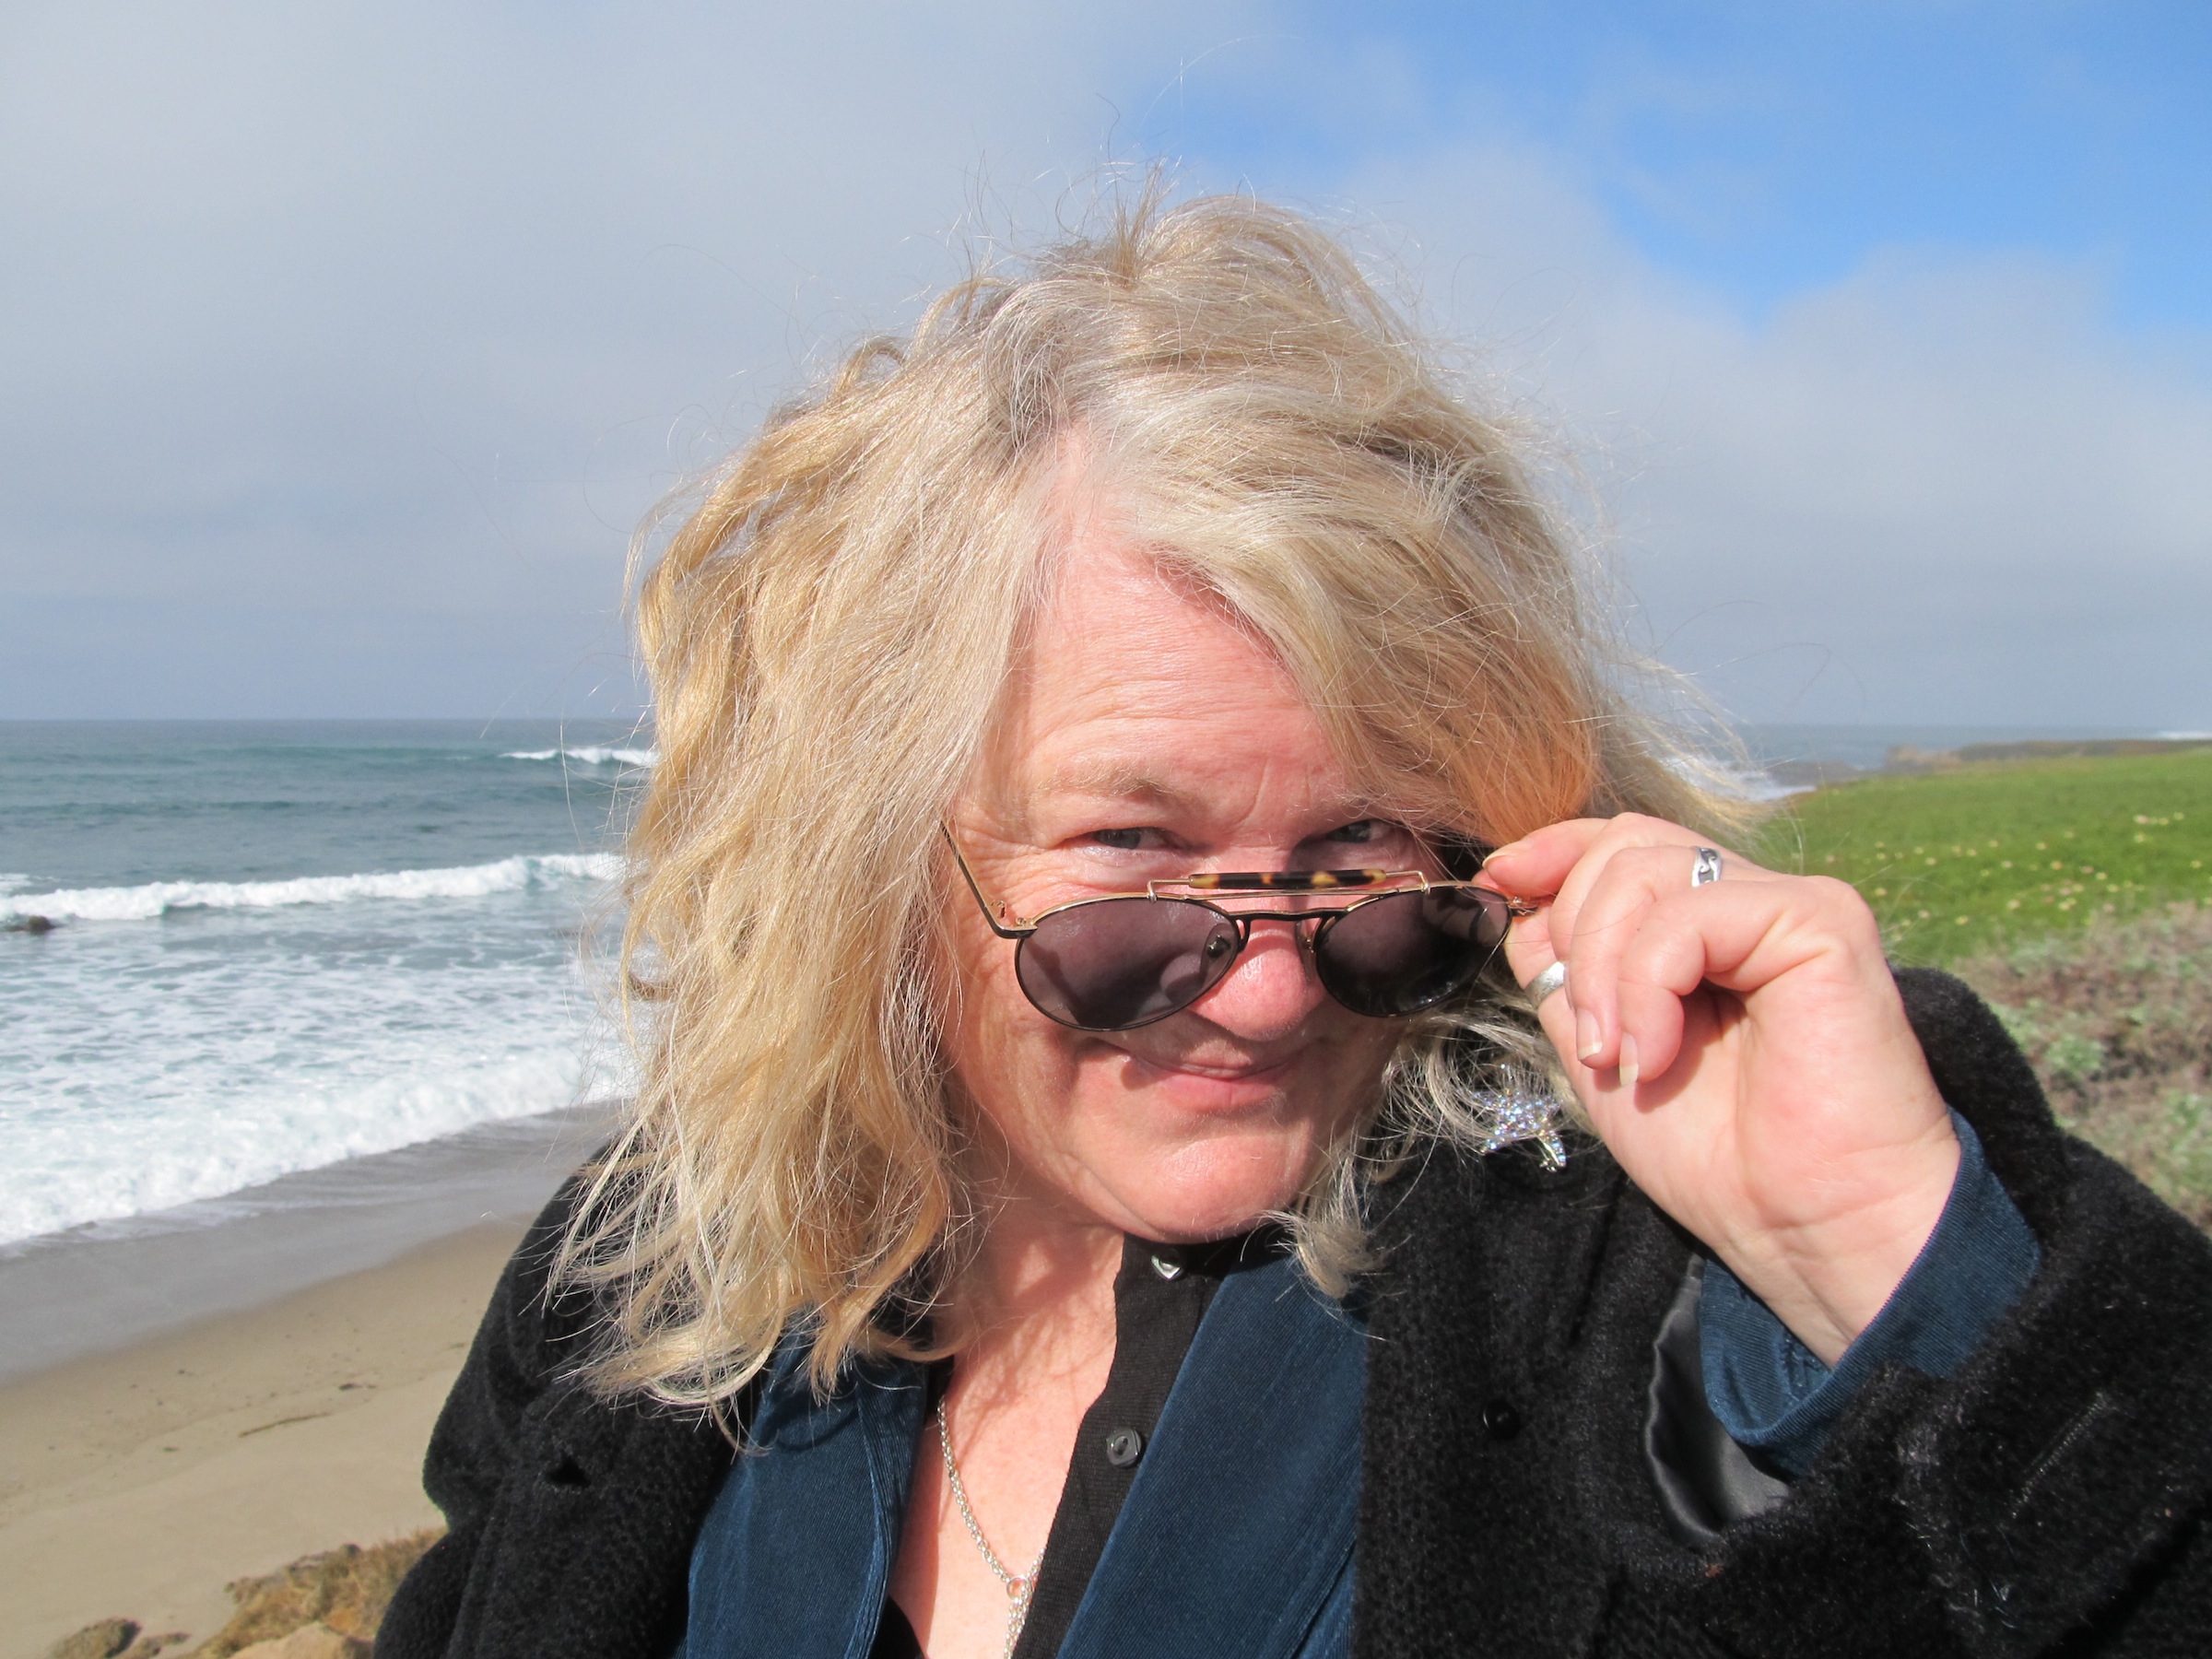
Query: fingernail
x,y
1588,1039
1505,851
1627,1061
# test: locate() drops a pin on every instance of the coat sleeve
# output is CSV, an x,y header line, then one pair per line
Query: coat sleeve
x,y
571,1515
2054,1493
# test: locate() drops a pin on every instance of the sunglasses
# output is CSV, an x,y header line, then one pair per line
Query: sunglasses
x,y
1126,959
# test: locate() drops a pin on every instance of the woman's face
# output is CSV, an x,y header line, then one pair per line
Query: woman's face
x,y
1148,736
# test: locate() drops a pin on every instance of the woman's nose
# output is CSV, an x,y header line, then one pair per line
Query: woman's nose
x,y
1270,991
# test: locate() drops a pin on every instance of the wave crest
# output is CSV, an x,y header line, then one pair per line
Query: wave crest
x,y
590,755
157,899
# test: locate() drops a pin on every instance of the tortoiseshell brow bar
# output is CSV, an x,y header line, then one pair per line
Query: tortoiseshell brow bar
x,y
1006,925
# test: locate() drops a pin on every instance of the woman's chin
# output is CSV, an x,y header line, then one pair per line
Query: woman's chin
x,y
1214,1194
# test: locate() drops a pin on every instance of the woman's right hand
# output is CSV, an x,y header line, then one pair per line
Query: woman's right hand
x,y
1742,1049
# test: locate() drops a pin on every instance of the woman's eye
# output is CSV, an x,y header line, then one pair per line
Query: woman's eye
x,y
1126,840
1364,830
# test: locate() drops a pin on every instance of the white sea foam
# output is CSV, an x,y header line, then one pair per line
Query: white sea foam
x,y
590,755
2185,736
1762,787
273,1026
100,1168
1747,783
142,1067
155,899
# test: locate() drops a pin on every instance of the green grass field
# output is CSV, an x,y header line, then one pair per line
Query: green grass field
x,y
1960,862
2076,895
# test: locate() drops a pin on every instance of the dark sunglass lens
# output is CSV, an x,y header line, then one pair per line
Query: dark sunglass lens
x,y
1125,963
1410,951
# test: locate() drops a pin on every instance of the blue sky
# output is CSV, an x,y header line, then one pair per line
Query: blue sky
x,y
344,346
1763,148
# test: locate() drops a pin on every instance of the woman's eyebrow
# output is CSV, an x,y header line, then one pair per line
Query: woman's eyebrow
x,y
1106,778
1117,780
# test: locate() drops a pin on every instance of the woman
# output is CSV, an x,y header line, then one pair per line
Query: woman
x,y
1108,1162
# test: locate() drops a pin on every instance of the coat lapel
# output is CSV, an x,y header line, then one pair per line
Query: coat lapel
x,y
1236,1540
795,1557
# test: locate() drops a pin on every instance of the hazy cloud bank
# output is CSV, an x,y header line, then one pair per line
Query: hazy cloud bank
x,y
1941,487
344,347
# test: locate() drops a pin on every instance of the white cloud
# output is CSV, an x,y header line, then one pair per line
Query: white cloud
x,y
346,344
1944,487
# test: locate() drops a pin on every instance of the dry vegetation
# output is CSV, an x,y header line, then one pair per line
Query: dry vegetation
x,y
2069,890
2118,1019
340,1595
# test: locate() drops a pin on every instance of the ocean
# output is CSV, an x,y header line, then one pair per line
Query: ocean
x,y
294,947
274,946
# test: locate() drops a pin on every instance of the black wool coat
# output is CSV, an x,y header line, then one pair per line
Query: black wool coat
x,y
2052,1497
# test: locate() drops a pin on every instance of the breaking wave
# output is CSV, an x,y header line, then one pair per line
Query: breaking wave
x,y
156,899
590,755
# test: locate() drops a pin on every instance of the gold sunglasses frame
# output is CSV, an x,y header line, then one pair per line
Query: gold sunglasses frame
x,y
1006,925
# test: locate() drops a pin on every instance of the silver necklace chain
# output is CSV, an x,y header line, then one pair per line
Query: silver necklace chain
x,y
1018,1585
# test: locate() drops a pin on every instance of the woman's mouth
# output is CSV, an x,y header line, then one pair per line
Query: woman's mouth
x,y
1223,1085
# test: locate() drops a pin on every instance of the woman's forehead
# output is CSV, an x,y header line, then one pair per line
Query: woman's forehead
x,y
1135,688
1123,637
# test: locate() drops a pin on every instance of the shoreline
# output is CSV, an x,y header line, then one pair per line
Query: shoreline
x,y
110,1285
210,1393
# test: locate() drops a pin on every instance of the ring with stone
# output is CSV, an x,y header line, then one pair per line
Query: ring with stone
x,y
1553,978
1707,868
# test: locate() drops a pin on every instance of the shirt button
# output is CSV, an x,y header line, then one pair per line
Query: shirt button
x,y
1124,1447
1500,1420
1167,1266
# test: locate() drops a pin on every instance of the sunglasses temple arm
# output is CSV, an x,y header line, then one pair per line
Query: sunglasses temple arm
x,y
967,874
1516,907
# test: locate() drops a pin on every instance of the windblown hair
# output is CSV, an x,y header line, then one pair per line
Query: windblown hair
x,y
829,636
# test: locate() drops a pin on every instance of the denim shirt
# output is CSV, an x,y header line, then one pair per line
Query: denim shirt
x,y
1772,1394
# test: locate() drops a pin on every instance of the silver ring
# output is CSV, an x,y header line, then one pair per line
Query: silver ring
x,y
1553,978
1708,867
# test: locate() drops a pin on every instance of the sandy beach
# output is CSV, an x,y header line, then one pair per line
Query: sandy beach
x,y
223,1440
140,1483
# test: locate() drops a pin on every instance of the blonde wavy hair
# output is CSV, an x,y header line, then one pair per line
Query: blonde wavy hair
x,y
829,633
